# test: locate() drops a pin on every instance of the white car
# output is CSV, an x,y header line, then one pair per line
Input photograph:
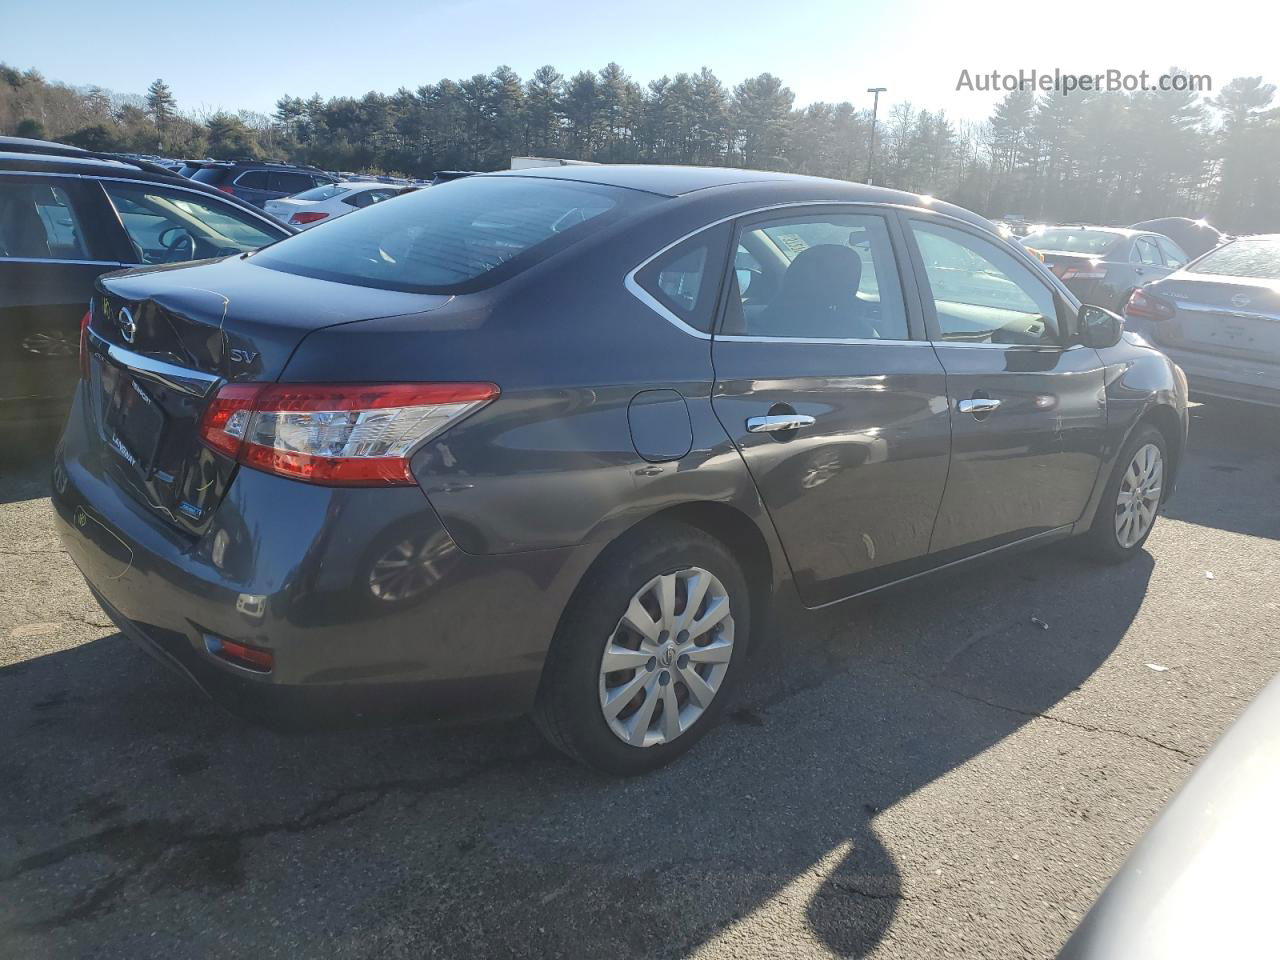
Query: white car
x,y
333,200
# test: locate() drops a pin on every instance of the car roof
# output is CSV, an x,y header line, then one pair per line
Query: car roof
x,y
678,181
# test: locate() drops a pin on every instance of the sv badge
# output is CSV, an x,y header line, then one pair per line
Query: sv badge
x,y
242,356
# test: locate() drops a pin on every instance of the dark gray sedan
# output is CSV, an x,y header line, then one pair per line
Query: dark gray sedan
x,y
566,440
1219,318
1103,265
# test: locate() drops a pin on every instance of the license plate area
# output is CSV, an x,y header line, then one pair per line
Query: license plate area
x,y
132,421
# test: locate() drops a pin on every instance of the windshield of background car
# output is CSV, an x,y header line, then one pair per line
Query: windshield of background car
x,y
1259,259
456,237
1093,242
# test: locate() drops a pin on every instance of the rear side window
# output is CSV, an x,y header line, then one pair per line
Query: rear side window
x,y
686,279
815,277
452,239
1259,259
37,222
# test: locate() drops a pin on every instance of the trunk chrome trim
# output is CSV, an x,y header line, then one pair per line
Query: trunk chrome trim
x,y
195,383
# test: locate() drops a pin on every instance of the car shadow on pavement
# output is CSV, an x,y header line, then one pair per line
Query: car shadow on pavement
x,y
1241,445
137,819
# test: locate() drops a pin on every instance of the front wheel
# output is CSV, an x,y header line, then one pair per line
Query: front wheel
x,y
647,652
1131,499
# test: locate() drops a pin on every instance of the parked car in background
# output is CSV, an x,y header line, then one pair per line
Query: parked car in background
x,y
331,201
1219,319
258,181
1103,265
189,167
326,458
1201,882
1196,237
67,216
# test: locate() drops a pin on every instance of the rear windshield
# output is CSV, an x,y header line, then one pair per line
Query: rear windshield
x,y
327,192
453,238
210,174
1242,258
1093,242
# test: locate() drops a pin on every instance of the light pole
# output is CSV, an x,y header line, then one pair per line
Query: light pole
x,y
875,110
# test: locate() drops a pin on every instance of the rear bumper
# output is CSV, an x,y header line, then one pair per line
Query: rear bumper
x,y
1232,379
365,602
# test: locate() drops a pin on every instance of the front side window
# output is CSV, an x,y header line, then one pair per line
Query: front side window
x,y
829,277
290,183
980,293
169,226
463,236
38,222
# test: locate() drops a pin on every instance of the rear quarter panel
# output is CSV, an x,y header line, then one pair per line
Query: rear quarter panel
x,y
552,463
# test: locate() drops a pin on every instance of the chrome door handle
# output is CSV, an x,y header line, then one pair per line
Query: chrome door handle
x,y
776,423
978,405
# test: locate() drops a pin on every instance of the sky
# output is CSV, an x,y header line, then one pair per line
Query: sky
x,y
245,56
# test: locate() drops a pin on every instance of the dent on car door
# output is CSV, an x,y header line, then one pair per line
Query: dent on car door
x,y
832,396
1028,410
50,253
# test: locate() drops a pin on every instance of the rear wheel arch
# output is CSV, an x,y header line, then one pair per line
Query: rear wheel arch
x,y
728,525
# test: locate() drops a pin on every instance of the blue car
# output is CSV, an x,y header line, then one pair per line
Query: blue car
x,y
257,181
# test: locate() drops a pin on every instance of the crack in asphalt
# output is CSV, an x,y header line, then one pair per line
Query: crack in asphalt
x,y
1185,755
146,843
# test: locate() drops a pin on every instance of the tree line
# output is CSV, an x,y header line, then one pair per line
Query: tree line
x,y
1090,157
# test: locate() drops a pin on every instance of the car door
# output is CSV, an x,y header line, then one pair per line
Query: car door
x,y
832,394
1175,258
52,248
1028,409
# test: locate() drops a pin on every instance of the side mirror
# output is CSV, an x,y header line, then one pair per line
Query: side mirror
x,y
1099,328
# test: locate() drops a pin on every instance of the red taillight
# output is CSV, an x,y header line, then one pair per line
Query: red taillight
x,y
240,654
1147,306
1083,271
337,434
84,344
310,216
227,188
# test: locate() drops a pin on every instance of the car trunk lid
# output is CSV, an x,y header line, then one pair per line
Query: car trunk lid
x,y
1234,317
163,340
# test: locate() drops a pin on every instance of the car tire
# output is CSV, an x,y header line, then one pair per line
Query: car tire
x,y
587,712
1130,501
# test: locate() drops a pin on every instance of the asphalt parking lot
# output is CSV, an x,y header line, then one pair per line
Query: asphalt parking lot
x,y
926,773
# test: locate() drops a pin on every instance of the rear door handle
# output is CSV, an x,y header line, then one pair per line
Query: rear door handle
x,y
978,405
778,423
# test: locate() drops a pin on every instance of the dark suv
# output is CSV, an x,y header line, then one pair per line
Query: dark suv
x,y
67,216
257,181
560,439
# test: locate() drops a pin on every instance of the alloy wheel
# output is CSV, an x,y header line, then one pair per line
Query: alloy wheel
x,y
667,657
1139,497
